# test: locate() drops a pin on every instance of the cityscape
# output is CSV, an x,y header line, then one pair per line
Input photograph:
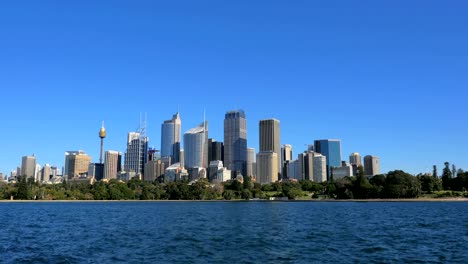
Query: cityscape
x,y
200,157
268,131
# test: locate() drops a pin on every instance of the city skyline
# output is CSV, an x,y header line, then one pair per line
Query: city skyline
x,y
387,78
344,156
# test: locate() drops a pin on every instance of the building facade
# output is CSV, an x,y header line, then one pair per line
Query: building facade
x,y
293,170
355,159
320,168
235,141
267,167
223,175
331,149
269,138
286,158
154,170
46,173
170,138
76,164
196,146
28,166
346,170
215,150
371,165
111,164
213,169
251,165
137,153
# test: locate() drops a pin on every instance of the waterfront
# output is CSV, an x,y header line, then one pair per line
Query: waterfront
x,y
234,232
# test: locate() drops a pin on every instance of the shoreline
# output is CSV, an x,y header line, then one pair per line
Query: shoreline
x,y
457,199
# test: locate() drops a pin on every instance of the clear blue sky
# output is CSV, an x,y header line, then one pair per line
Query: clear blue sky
x,y
389,78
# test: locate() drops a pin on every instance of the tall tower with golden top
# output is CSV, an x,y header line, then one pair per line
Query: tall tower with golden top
x,y
102,135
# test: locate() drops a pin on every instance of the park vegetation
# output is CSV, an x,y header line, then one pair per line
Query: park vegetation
x,y
394,185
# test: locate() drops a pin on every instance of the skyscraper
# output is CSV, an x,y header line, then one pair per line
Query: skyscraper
x,y
320,168
137,153
293,170
69,154
235,141
196,146
37,173
331,149
371,165
355,159
111,164
170,138
76,163
28,166
215,150
269,138
306,162
46,173
267,167
154,170
286,157
251,164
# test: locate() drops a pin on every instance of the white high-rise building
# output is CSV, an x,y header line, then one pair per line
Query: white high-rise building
x,y
223,175
251,169
213,169
38,173
320,168
137,153
196,146
293,170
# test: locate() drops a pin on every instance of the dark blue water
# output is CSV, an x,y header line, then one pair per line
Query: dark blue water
x,y
234,232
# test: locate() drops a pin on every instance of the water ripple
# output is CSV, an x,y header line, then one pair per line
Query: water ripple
x,y
234,232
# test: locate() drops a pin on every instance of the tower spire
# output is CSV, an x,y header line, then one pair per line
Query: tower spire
x,y
102,135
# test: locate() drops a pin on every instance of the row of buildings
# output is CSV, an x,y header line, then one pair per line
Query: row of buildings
x,y
202,157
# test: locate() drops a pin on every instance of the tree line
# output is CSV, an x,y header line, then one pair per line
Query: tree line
x,y
394,185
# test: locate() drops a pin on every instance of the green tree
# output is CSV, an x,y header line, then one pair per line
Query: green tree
x,y
360,171
24,190
362,188
344,188
434,172
330,189
99,191
430,184
248,184
399,184
267,188
199,190
229,195
446,176
292,191
246,194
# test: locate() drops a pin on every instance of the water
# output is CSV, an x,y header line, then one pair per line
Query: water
x,y
234,232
